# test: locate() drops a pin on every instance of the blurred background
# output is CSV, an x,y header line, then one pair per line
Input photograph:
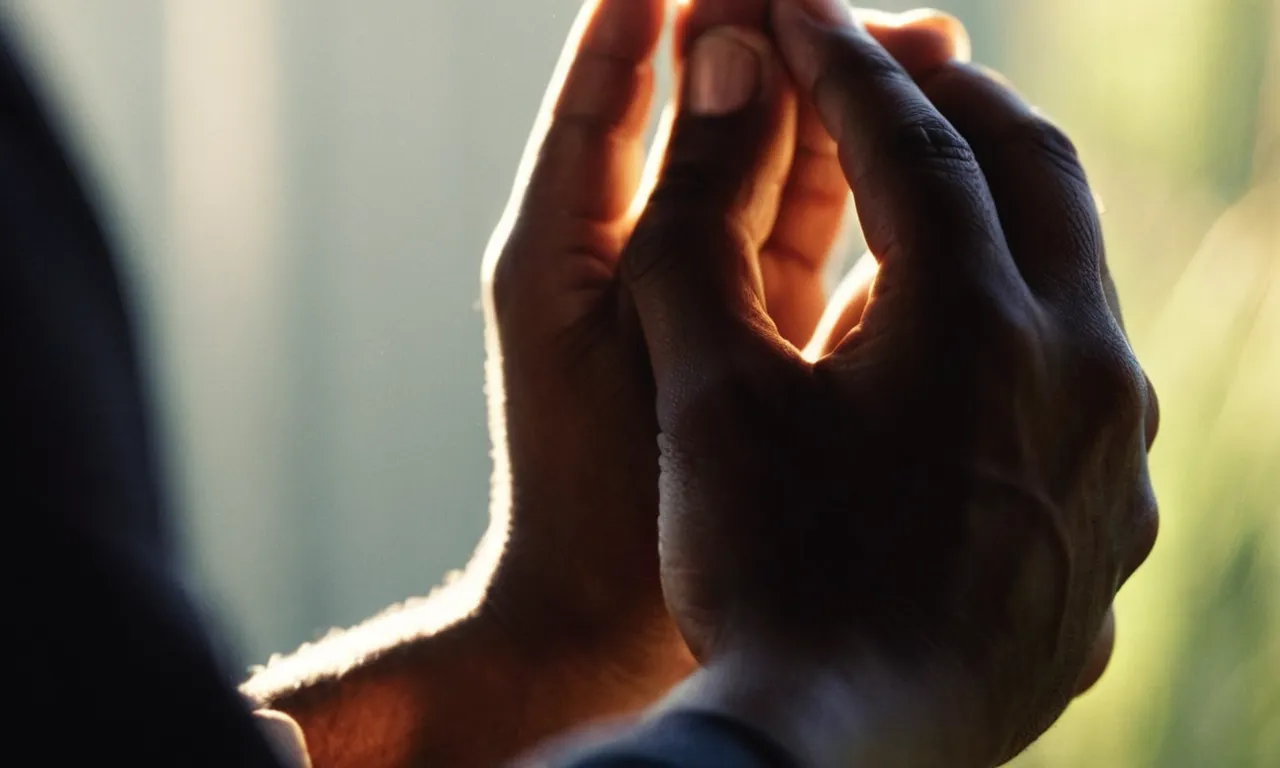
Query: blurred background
x,y
303,189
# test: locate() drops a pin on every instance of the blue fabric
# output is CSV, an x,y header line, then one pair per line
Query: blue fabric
x,y
685,739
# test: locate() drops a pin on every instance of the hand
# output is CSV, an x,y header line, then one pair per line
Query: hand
x,y
572,626
934,516
572,392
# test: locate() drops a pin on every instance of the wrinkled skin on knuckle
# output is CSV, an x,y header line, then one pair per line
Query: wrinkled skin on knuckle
x,y
554,269
930,164
687,239
923,140
849,62
700,184
931,146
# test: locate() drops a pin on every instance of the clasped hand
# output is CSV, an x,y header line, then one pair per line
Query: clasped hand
x,y
947,486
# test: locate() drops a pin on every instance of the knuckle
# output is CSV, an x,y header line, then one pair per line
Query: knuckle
x,y
694,182
570,132
929,142
862,80
1116,390
1151,423
687,212
1040,136
648,252
667,231
708,165
861,74
602,88
500,282
1145,530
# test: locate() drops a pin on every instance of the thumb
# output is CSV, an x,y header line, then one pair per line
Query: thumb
x,y
691,265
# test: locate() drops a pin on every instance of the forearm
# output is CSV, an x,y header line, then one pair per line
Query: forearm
x,y
432,682
401,689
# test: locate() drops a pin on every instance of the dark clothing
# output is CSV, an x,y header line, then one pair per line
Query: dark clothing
x,y
683,740
113,663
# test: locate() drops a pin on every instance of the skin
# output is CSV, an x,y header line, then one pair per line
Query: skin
x,y
901,551
570,624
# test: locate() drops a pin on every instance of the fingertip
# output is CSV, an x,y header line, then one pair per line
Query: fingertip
x,y
734,73
943,24
799,36
716,59
921,40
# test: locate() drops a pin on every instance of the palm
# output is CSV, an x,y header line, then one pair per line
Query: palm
x,y
583,475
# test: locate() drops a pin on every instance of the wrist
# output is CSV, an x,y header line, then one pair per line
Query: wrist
x,y
840,714
593,624
586,666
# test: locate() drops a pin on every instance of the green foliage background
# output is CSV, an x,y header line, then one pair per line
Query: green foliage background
x,y
1175,106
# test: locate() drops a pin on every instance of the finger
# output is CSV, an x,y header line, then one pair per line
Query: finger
x,y
691,263
918,190
810,218
1050,215
1035,176
844,310
917,39
583,161
816,195
1099,655
696,17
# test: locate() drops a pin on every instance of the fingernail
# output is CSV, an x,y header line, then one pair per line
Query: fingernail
x,y
724,73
